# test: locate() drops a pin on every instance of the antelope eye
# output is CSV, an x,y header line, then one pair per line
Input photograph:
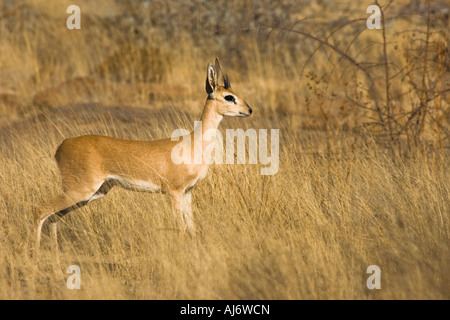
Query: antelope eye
x,y
229,98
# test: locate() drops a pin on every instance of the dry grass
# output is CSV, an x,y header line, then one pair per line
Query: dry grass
x,y
340,202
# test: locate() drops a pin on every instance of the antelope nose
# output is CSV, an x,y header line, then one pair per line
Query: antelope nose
x,y
250,111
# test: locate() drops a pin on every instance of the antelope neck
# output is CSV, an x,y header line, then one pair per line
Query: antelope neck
x,y
210,118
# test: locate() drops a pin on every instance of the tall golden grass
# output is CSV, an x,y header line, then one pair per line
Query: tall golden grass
x,y
342,200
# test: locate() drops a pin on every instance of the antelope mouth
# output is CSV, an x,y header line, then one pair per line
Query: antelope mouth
x,y
245,115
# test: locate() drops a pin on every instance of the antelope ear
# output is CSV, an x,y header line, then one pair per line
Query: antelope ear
x,y
218,70
226,82
211,82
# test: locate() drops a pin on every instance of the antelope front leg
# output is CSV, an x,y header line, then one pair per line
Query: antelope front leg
x,y
187,212
182,207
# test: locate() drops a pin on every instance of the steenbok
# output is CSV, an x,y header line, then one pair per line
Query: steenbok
x,y
91,165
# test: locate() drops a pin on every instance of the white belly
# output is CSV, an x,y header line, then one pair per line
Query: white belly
x,y
136,185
